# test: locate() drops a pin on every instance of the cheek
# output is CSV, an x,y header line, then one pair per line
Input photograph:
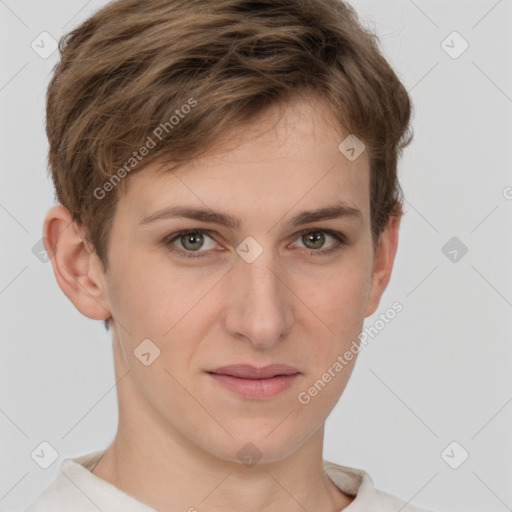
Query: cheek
x,y
339,298
150,298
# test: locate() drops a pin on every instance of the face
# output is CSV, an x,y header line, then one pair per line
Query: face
x,y
268,287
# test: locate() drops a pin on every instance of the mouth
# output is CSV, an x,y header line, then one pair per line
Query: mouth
x,y
257,383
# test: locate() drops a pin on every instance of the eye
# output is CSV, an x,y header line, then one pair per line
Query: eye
x,y
192,240
315,239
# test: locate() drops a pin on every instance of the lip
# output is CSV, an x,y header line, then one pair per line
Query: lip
x,y
247,371
252,382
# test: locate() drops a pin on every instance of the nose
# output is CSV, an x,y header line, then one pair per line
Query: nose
x,y
259,302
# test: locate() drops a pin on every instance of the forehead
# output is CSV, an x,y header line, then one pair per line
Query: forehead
x,y
286,159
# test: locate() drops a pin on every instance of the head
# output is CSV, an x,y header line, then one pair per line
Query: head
x,y
234,107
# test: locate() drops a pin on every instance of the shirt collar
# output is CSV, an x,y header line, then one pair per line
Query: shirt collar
x,y
75,483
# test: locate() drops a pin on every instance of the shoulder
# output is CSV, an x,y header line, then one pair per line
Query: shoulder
x,y
58,497
359,484
76,488
63,494
392,503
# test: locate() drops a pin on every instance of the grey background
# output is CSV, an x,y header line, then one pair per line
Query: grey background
x,y
439,372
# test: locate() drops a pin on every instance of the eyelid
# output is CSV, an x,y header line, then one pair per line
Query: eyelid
x,y
339,237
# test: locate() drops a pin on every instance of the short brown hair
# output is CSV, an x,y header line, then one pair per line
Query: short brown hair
x,y
127,70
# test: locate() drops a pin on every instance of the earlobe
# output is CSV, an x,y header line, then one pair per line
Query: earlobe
x,y
383,263
74,264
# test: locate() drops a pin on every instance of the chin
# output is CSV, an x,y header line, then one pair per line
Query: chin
x,y
258,444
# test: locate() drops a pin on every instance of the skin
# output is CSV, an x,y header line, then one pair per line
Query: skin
x,y
179,431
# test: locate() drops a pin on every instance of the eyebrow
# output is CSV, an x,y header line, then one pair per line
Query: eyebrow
x,y
340,210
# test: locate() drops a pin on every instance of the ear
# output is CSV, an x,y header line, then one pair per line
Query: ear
x,y
384,258
76,265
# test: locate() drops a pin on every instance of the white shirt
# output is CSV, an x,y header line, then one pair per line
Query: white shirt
x,y
77,489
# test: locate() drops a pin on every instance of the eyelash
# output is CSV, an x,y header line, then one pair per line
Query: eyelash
x,y
339,237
